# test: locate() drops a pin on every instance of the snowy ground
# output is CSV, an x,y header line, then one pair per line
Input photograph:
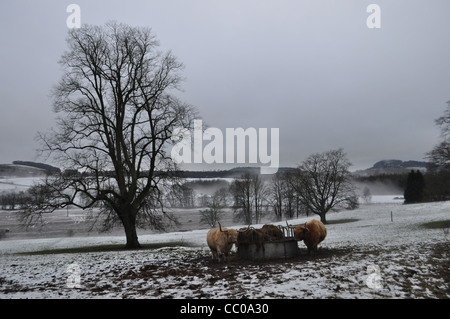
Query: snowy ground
x,y
369,257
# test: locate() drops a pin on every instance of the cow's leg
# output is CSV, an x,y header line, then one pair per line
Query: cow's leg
x,y
219,255
214,255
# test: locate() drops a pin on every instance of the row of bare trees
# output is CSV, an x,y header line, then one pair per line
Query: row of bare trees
x,y
320,184
34,198
249,196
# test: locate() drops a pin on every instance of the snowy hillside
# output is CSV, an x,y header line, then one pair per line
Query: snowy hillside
x,y
366,255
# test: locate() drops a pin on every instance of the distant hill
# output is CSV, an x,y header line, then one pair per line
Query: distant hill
x,y
43,166
393,167
399,164
26,169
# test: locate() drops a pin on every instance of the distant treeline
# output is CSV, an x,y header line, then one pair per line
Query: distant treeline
x,y
436,183
398,180
231,173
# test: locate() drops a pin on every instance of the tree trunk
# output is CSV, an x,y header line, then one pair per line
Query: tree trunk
x,y
129,225
323,218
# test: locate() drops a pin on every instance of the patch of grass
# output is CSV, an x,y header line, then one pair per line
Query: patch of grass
x,y
104,248
342,221
437,224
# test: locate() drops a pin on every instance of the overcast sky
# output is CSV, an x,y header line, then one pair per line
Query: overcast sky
x,y
311,68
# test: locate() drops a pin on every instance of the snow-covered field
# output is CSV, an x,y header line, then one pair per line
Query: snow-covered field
x,y
368,256
18,184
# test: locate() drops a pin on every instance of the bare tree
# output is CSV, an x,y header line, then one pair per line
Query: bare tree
x,y
116,113
439,156
213,214
292,204
277,191
284,198
250,197
38,201
260,193
366,195
444,121
180,195
323,183
242,194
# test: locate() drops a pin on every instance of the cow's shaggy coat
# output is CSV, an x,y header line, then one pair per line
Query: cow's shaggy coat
x,y
220,241
312,233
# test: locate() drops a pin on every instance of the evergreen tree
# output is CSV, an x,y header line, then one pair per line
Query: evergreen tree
x,y
415,186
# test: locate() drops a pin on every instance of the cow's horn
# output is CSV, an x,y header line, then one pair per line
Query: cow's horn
x,y
244,231
220,227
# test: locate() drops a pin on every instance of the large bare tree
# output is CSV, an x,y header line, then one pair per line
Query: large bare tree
x,y
323,182
439,156
116,113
